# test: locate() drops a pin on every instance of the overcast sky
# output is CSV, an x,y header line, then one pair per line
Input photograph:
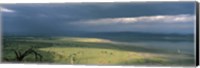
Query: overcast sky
x,y
154,17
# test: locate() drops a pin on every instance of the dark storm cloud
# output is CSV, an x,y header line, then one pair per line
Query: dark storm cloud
x,y
102,10
54,18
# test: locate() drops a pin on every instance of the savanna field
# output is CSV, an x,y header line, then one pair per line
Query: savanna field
x,y
97,51
131,33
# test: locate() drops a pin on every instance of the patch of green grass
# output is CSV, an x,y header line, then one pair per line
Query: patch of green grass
x,y
91,55
69,50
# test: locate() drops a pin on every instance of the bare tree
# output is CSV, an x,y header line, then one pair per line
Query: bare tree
x,y
20,56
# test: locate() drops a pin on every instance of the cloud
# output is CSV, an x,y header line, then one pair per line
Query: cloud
x,y
182,18
69,17
183,23
6,10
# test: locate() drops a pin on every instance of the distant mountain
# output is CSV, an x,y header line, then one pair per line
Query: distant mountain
x,y
141,36
120,36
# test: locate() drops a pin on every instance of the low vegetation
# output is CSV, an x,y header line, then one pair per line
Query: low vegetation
x,y
70,50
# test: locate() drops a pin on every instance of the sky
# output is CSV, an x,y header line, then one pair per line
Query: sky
x,y
61,1
65,18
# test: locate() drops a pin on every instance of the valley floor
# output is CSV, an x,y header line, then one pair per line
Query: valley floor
x,y
74,50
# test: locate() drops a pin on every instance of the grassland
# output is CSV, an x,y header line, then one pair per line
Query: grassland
x,y
77,50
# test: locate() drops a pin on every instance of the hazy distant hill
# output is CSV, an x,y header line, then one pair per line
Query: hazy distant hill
x,y
120,36
141,36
